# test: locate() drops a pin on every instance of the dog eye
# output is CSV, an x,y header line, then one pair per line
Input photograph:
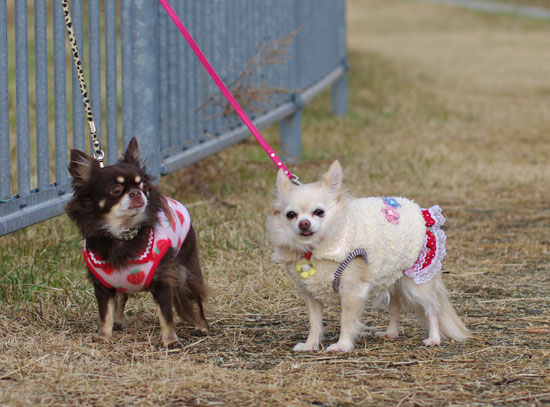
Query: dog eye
x,y
319,212
142,186
291,214
116,189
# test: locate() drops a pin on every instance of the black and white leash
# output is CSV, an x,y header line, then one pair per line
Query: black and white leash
x,y
344,264
99,155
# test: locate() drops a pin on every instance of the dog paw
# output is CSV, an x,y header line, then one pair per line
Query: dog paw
x,y
340,347
305,347
199,332
118,326
200,329
172,345
386,335
102,338
432,341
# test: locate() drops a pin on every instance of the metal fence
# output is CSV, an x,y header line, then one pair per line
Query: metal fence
x,y
144,80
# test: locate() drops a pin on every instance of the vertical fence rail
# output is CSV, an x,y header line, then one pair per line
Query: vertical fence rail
x,y
339,90
60,94
127,70
167,100
41,89
163,79
22,99
183,118
172,61
94,65
145,75
111,101
5,166
191,67
77,105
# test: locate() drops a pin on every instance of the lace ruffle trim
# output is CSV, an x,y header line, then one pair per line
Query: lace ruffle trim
x,y
416,272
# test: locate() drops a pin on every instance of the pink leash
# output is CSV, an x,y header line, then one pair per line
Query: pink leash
x,y
238,109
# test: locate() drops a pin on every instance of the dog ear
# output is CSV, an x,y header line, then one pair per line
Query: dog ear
x,y
81,167
283,183
132,154
333,177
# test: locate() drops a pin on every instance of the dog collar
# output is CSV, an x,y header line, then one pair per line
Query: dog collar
x,y
129,234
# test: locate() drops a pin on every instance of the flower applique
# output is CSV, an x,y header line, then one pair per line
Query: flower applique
x,y
390,211
391,202
305,268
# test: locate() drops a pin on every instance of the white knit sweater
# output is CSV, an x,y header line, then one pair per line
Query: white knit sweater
x,y
391,248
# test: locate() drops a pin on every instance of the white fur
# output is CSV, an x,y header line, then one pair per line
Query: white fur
x,y
348,224
122,217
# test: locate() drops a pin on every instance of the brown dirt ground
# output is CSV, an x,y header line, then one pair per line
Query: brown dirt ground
x,y
446,106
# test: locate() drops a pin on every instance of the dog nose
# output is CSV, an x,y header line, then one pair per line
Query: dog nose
x,y
136,193
304,224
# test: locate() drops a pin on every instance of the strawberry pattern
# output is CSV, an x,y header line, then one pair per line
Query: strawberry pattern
x,y
138,273
136,277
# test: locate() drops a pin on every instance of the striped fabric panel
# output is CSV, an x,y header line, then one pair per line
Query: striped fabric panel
x,y
344,264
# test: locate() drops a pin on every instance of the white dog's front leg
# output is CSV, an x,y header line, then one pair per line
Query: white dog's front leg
x,y
315,313
353,300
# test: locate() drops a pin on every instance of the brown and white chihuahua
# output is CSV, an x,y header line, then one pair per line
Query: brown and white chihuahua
x,y
132,244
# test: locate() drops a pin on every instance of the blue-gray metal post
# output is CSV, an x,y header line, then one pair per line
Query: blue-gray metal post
x,y
111,100
339,96
22,100
4,106
290,128
173,78
290,132
77,105
60,90
145,85
163,26
94,48
127,78
339,90
41,81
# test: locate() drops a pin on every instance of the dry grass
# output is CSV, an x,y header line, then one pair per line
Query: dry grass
x,y
446,106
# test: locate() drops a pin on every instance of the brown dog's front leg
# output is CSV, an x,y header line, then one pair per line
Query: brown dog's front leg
x,y
163,295
121,299
106,299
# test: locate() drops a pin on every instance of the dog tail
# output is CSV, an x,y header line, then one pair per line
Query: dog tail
x,y
450,324
430,298
190,296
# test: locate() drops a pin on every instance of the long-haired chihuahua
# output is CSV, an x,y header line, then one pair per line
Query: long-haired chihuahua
x,y
135,239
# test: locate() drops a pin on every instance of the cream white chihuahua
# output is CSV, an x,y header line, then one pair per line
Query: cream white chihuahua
x,y
384,249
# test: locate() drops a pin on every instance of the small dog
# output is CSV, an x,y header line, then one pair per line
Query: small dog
x,y
388,250
135,239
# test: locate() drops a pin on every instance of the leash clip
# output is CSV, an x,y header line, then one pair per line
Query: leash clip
x,y
99,155
295,180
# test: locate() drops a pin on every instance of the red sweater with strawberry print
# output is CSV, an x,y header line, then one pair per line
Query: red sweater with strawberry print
x,y
137,274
